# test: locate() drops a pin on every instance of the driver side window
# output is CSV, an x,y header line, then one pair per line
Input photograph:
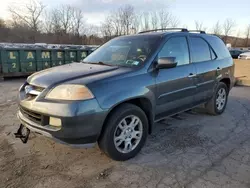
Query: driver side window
x,y
176,47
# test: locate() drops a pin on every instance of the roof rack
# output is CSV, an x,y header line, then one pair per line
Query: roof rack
x,y
164,29
173,29
197,31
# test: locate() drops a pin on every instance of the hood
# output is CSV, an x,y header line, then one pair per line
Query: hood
x,y
65,73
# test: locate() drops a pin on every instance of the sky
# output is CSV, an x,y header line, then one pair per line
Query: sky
x,y
187,11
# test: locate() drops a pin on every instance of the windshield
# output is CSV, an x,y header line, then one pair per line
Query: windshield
x,y
128,51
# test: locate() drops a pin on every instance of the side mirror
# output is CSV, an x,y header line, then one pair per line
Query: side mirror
x,y
166,62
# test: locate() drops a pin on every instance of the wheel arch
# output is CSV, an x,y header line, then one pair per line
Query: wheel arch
x,y
226,81
142,102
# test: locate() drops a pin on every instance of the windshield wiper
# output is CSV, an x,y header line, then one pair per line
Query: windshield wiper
x,y
98,63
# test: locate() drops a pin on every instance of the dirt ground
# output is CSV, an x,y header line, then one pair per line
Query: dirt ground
x,y
242,72
192,150
242,68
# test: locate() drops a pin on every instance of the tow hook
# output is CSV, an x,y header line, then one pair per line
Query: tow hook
x,y
23,133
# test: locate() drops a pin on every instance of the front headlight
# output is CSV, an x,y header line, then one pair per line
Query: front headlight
x,y
70,92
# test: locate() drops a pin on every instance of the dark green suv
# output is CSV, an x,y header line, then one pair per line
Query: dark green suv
x,y
117,94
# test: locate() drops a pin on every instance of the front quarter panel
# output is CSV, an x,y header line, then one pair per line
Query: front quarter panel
x,y
110,93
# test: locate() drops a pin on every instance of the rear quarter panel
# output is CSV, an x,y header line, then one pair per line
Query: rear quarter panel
x,y
224,59
228,69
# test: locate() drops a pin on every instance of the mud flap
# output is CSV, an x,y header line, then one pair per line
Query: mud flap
x,y
23,133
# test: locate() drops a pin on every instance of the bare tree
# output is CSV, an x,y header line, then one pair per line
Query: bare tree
x,y
126,17
92,30
48,22
65,24
247,34
174,22
56,21
2,23
228,27
77,21
136,24
115,18
112,25
198,25
145,18
121,22
64,19
236,39
107,29
164,18
154,20
217,28
30,14
66,13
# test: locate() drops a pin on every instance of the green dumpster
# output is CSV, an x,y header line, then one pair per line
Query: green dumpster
x,y
70,56
20,62
58,57
28,61
81,54
10,61
44,58
1,67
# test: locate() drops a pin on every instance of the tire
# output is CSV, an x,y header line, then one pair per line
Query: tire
x,y
212,107
113,131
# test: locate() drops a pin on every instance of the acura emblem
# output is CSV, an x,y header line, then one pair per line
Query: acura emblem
x,y
27,89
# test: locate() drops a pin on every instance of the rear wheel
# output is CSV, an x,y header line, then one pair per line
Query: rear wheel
x,y
125,132
217,104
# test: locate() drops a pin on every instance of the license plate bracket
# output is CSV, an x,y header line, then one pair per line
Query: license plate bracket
x,y
23,133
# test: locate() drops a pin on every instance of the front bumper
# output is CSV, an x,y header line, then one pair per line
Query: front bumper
x,y
81,121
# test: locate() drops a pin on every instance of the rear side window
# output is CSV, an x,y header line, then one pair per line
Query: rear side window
x,y
200,49
219,47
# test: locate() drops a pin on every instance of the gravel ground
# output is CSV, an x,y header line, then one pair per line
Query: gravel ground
x,y
191,150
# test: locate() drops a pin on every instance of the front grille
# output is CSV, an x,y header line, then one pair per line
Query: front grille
x,y
31,115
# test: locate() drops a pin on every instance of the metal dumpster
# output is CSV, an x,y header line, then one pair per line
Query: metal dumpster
x,y
28,61
10,60
44,59
25,61
70,56
81,54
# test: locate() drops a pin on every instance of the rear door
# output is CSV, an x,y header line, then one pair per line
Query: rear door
x,y
175,86
204,60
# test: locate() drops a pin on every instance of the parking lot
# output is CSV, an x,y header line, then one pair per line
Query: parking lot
x,y
190,150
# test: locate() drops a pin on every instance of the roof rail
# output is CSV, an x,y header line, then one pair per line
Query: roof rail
x,y
164,29
197,31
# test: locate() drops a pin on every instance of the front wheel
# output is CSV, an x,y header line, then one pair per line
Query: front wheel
x,y
124,133
217,104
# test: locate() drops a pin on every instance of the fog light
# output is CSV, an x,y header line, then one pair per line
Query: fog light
x,y
55,122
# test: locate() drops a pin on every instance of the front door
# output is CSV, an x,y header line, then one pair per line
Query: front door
x,y
175,86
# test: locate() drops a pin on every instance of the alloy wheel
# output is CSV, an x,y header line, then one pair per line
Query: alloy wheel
x,y
128,134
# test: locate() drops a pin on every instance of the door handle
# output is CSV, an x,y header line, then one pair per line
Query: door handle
x,y
191,75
